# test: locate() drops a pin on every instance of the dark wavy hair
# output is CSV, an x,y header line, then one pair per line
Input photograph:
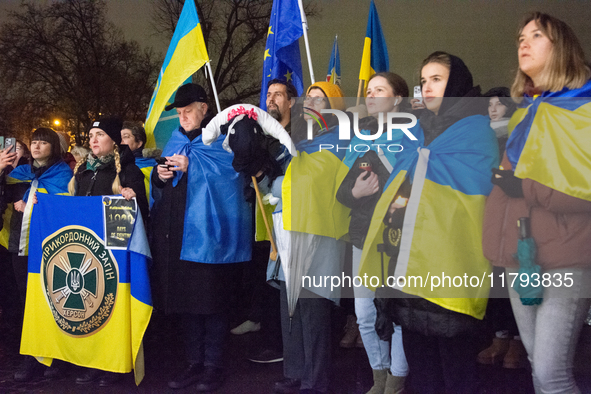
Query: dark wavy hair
x,y
48,135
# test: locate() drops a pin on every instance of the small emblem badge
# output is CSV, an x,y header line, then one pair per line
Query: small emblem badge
x,y
80,277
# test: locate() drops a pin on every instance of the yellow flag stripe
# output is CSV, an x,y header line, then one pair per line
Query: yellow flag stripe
x,y
189,56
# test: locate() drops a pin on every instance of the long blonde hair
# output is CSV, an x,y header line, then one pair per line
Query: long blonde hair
x,y
116,187
566,67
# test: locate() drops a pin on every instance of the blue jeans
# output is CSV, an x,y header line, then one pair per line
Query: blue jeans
x,y
550,331
381,354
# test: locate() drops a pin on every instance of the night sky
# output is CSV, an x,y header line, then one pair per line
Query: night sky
x,y
482,33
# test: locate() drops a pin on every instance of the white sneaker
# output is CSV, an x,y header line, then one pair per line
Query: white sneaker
x,y
247,326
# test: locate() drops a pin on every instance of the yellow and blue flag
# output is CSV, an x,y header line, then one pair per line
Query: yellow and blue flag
x,y
282,52
375,53
53,181
442,230
186,54
310,187
334,66
549,140
86,304
168,122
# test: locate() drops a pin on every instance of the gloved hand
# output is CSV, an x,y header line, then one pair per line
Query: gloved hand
x,y
506,180
384,327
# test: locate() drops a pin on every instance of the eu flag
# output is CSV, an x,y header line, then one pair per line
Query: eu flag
x,y
282,53
375,53
334,67
186,54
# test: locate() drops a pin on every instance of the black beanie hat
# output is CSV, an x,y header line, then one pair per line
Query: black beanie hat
x,y
111,125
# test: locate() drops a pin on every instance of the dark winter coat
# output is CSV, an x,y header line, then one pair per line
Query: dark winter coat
x,y
100,182
361,208
180,286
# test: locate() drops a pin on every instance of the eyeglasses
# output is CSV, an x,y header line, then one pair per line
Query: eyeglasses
x,y
314,100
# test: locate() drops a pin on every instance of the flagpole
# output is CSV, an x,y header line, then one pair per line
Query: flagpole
x,y
213,87
361,81
305,29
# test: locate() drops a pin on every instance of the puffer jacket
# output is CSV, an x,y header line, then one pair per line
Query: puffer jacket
x,y
560,226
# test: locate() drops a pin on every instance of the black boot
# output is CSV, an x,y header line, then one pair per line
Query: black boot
x,y
29,369
188,377
89,375
210,380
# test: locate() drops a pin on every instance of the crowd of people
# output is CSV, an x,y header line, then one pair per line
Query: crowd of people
x,y
448,202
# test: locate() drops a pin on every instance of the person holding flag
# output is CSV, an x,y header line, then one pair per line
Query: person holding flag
x,y
107,171
46,173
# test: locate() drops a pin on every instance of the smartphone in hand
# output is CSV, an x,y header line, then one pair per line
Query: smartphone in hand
x,y
162,162
417,93
10,145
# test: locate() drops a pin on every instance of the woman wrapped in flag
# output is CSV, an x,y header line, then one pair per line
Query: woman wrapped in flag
x,y
360,191
307,230
544,178
434,200
46,173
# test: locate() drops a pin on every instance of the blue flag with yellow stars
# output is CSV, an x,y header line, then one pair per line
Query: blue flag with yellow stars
x,y
282,53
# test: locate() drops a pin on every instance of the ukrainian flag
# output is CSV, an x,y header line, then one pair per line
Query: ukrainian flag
x,y
186,54
442,230
310,187
549,141
282,52
375,53
86,304
334,66
146,165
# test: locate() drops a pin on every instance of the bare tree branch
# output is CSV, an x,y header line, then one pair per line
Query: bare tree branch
x,y
235,33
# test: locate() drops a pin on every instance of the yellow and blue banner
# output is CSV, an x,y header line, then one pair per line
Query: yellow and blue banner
x,y
442,230
333,74
186,54
86,304
549,141
282,52
375,52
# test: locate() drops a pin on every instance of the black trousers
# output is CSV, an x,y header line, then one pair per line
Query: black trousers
x,y
441,365
205,338
264,299
306,347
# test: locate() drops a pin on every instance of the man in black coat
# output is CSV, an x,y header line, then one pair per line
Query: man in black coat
x,y
197,293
